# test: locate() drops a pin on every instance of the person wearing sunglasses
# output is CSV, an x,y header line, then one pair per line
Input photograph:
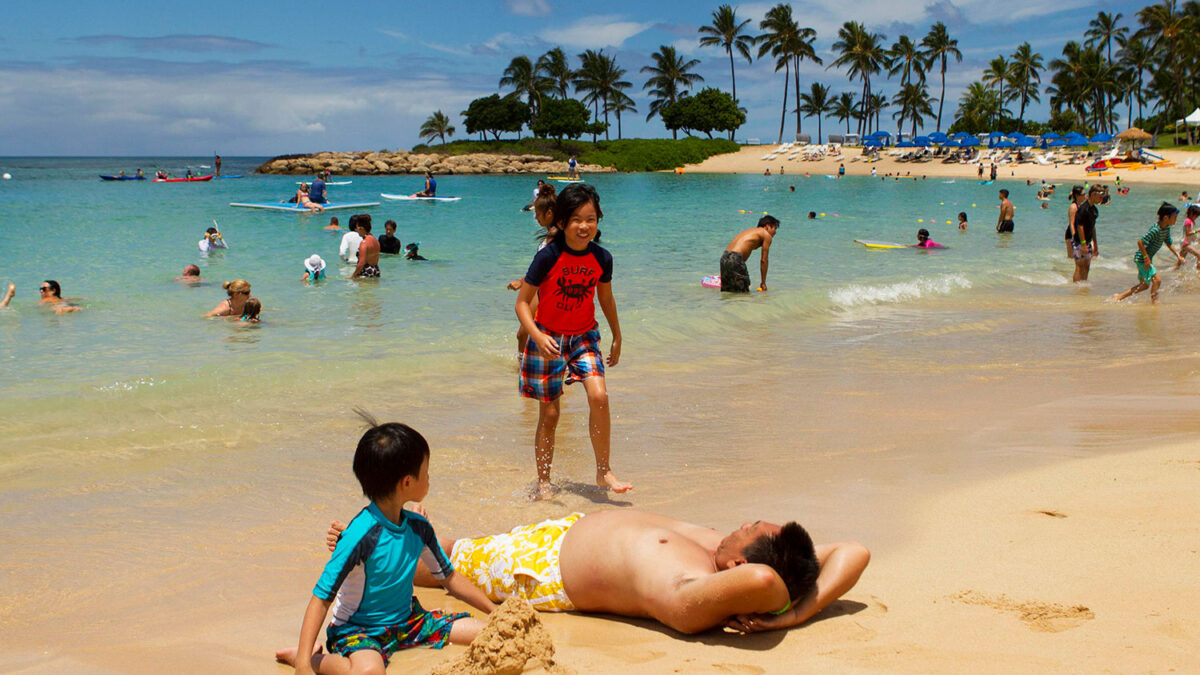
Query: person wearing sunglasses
x,y
239,292
51,293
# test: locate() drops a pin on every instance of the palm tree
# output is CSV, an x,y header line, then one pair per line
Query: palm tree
x,y
816,102
618,103
553,66
997,75
780,36
608,83
859,50
978,104
843,108
437,124
1026,76
728,33
939,46
1137,57
913,99
1167,29
905,59
523,78
879,101
669,78
1101,33
802,49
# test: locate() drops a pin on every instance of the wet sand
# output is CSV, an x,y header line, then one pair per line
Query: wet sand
x,y
749,160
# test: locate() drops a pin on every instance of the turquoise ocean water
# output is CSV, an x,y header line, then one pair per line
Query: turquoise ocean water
x,y
860,378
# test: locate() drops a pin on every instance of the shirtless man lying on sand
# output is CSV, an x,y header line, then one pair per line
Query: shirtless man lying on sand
x,y
691,578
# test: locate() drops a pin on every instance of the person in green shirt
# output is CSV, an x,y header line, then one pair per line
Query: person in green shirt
x,y
1159,234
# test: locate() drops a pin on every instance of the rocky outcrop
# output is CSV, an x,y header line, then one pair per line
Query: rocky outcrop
x,y
400,161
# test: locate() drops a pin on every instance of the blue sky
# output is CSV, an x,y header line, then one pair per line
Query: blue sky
x,y
264,78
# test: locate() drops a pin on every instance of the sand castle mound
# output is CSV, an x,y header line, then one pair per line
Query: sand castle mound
x,y
513,638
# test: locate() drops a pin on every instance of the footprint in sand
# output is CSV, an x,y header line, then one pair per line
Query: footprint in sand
x,y
1044,617
1052,514
738,668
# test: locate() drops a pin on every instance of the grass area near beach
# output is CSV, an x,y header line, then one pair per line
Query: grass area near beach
x,y
630,154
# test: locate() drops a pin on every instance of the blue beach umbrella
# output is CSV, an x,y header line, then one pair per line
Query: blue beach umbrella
x,y
872,143
923,141
1056,142
959,134
906,144
1101,138
1074,142
968,141
938,137
1050,136
1003,144
1025,142
882,134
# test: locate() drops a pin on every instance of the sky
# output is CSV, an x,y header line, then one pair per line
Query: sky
x,y
79,77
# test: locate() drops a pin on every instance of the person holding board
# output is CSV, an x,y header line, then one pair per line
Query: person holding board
x,y
735,278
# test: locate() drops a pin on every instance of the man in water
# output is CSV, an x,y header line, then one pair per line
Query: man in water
x,y
217,164
573,167
316,191
348,250
368,251
735,278
191,275
688,577
388,243
1004,223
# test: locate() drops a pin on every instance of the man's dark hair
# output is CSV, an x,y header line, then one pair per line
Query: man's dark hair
x,y
387,453
353,222
768,221
364,224
1003,193
390,223
790,553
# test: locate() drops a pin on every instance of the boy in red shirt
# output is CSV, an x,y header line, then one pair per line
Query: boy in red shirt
x,y
564,343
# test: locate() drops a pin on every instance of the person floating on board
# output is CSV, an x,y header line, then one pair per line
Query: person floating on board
x,y
735,278
430,186
923,240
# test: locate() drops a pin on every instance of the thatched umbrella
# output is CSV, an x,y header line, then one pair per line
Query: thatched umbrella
x,y
1134,134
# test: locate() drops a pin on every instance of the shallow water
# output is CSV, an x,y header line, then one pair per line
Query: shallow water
x,y
137,432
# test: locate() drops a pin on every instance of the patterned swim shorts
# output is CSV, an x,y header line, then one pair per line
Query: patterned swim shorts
x,y
523,562
579,358
422,628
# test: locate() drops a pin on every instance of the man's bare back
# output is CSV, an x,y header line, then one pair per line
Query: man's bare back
x,y
748,240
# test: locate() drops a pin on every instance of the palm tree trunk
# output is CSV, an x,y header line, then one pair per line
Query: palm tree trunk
x,y
819,129
942,100
606,118
733,83
618,124
796,75
1021,117
783,115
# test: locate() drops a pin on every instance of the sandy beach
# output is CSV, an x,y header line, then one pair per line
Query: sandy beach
x,y
750,160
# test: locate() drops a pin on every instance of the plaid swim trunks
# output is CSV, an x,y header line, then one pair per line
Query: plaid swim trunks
x,y
422,628
579,358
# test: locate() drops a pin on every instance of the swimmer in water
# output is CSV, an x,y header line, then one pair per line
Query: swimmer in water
x,y
923,240
333,224
250,310
962,220
191,275
52,297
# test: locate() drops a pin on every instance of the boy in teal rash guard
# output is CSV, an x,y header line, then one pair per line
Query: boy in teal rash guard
x,y
371,570
1159,234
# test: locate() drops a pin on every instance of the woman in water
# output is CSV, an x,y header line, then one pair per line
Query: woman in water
x,y
52,297
239,292
1077,198
303,201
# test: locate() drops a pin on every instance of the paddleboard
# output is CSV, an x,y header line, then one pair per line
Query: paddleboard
x,y
193,179
711,281
410,198
879,244
102,176
565,179
986,182
277,206
332,182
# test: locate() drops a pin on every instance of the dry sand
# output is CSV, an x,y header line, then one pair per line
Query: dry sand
x,y
749,160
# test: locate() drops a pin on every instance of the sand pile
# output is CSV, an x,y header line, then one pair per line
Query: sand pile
x,y
513,636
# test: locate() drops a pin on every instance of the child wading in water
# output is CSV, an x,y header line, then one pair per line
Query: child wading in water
x,y
1190,242
564,343
1159,234
371,570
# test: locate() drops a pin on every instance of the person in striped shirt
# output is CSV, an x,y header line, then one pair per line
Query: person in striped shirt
x,y
1159,234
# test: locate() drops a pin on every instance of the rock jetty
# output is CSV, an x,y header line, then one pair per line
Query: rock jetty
x,y
400,161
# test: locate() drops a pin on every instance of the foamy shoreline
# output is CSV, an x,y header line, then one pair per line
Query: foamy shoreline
x,y
749,160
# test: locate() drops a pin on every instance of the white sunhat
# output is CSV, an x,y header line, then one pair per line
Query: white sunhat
x,y
314,263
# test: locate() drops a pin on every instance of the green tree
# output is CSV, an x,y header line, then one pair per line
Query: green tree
x,y
816,103
1137,57
437,125
1168,31
997,74
977,107
860,52
669,77
599,78
619,103
1025,78
561,118
494,115
708,111
727,32
843,108
554,68
523,78
905,59
938,47
915,104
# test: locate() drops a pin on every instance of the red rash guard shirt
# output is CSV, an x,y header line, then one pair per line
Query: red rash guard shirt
x,y
566,282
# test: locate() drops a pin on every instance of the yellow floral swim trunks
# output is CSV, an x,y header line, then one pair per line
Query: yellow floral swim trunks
x,y
523,562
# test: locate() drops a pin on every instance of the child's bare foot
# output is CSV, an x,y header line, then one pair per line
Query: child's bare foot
x,y
288,655
606,479
544,491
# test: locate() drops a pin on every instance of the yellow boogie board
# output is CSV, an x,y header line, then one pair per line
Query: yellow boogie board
x,y
879,244
565,179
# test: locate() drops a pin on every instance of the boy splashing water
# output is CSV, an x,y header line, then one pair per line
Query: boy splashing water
x,y
564,343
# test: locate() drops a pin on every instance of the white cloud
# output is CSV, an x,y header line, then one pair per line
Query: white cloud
x,y
528,7
595,32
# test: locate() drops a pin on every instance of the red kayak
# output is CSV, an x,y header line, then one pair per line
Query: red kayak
x,y
193,179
